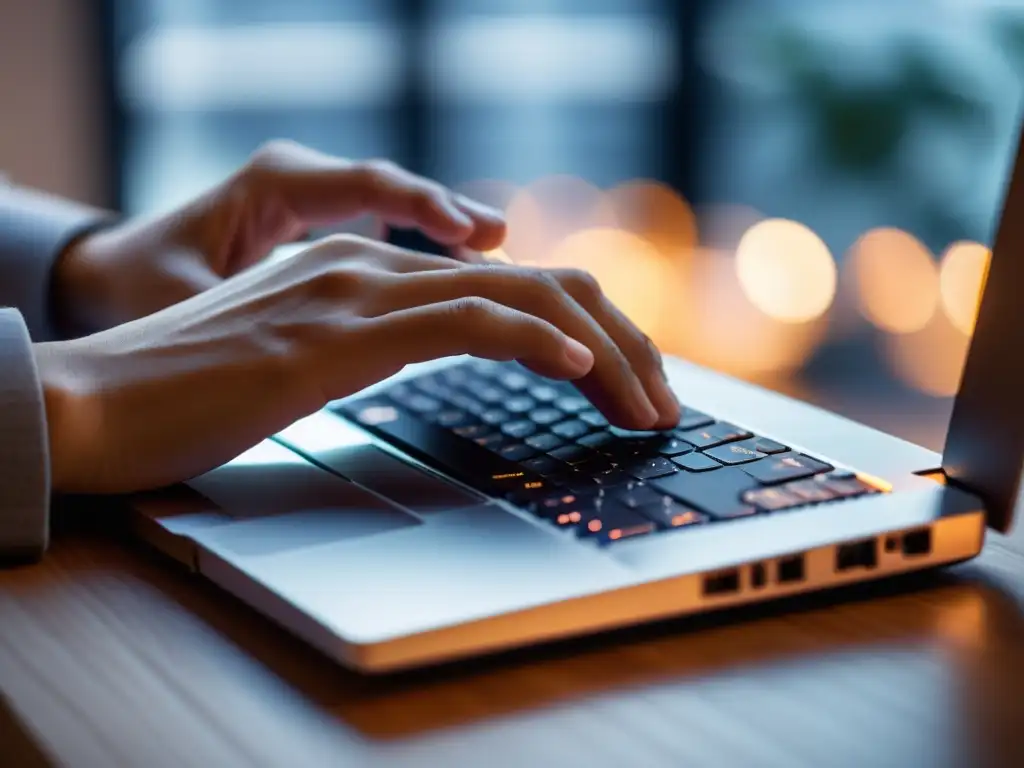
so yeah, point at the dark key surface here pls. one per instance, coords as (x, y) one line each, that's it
(716, 493)
(571, 430)
(520, 404)
(691, 418)
(571, 454)
(572, 404)
(635, 495)
(472, 431)
(544, 441)
(597, 440)
(545, 416)
(519, 428)
(543, 393)
(644, 470)
(734, 453)
(716, 434)
(592, 418)
(452, 417)
(696, 462)
(671, 514)
(764, 445)
(673, 446)
(543, 465)
(489, 394)
(494, 416)
(614, 521)
(513, 381)
(517, 452)
(785, 466)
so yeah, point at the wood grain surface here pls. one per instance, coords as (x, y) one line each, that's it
(113, 656)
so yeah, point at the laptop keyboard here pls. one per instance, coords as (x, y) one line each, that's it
(540, 445)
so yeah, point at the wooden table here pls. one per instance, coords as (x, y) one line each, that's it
(110, 656)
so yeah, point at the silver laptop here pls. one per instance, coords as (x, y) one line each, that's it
(467, 506)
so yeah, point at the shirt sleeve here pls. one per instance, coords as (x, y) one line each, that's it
(34, 230)
(24, 453)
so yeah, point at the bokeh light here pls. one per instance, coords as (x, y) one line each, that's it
(723, 226)
(549, 210)
(631, 272)
(896, 280)
(715, 324)
(786, 270)
(931, 359)
(961, 281)
(656, 213)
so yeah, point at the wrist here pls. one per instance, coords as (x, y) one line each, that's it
(77, 289)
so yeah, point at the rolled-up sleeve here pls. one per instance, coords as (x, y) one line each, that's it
(24, 453)
(34, 230)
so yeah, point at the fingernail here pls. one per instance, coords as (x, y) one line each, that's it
(456, 215)
(643, 409)
(579, 356)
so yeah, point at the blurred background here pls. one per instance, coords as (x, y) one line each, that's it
(796, 192)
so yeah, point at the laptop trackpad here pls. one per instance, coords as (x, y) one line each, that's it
(281, 502)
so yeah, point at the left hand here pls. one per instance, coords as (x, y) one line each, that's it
(140, 267)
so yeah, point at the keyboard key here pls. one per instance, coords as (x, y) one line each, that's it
(772, 499)
(521, 487)
(472, 431)
(467, 403)
(810, 491)
(614, 521)
(564, 510)
(764, 445)
(456, 376)
(657, 467)
(519, 404)
(715, 493)
(543, 393)
(572, 454)
(673, 446)
(611, 478)
(572, 404)
(598, 440)
(696, 462)
(421, 403)
(544, 441)
(494, 416)
(433, 386)
(843, 487)
(517, 452)
(669, 513)
(543, 465)
(513, 381)
(452, 417)
(596, 464)
(734, 453)
(593, 418)
(632, 434)
(571, 430)
(716, 434)
(691, 418)
(519, 429)
(484, 367)
(635, 495)
(493, 441)
(489, 394)
(545, 416)
(785, 466)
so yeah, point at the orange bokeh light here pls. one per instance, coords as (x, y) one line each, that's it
(786, 270)
(631, 271)
(896, 280)
(549, 210)
(656, 213)
(931, 359)
(961, 281)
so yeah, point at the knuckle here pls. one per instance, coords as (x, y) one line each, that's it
(270, 153)
(340, 283)
(473, 309)
(376, 168)
(581, 283)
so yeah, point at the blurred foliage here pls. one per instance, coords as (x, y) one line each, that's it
(858, 128)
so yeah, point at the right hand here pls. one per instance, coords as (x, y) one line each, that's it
(169, 396)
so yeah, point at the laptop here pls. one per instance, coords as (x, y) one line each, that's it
(465, 506)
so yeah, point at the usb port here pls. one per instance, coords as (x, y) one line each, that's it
(722, 583)
(857, 554)
(917, 543)
(791, 569)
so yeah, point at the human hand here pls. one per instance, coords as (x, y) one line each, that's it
(168, 396)
(284, 190)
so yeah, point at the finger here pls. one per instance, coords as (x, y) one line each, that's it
(476, 327)
(611, 384)
(643, 356)
(317, 189)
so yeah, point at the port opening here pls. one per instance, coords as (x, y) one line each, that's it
(917, 543)
(758, 575)
(857, 554)
(722, 583)
(791, 569)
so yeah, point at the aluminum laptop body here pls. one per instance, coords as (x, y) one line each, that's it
(348, 530)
